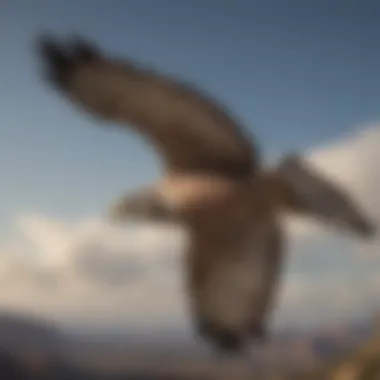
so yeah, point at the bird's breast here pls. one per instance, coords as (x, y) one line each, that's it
(188, 193)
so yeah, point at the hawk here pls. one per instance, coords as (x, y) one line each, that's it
(213, 184)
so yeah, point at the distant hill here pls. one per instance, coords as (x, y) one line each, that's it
(35, 346)
(23, 332)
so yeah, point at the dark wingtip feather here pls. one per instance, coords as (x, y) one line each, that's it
(61, 58)
(46, 44)
(82, 50)
(51, 51)
(365, 228)
(55, 57)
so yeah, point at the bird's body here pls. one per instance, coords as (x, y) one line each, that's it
(213, 184)
(234, 253)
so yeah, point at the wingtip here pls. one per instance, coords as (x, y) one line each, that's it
(82, 49)
(62, 57)
(49, 48)
(55, 58)
(366, 229)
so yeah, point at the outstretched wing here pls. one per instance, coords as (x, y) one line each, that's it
(308, 192)
(190, 131)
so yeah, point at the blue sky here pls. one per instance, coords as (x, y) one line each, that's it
(297, 73)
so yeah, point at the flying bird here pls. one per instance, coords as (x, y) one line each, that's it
(214, 184)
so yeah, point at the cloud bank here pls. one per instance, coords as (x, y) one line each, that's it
(85, 270)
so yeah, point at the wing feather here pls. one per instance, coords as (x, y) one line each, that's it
(189, 130)
(308, 192)
(233, 280)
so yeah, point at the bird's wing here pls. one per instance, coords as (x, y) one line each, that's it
(233, 279)
(310, 193)
(190, 131)
(144, 204)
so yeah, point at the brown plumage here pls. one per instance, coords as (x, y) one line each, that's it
(213, 185)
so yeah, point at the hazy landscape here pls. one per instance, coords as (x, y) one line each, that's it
(34, 348)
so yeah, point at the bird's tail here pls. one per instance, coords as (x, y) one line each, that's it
(299, 188)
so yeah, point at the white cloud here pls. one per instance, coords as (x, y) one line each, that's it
(88, 269)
